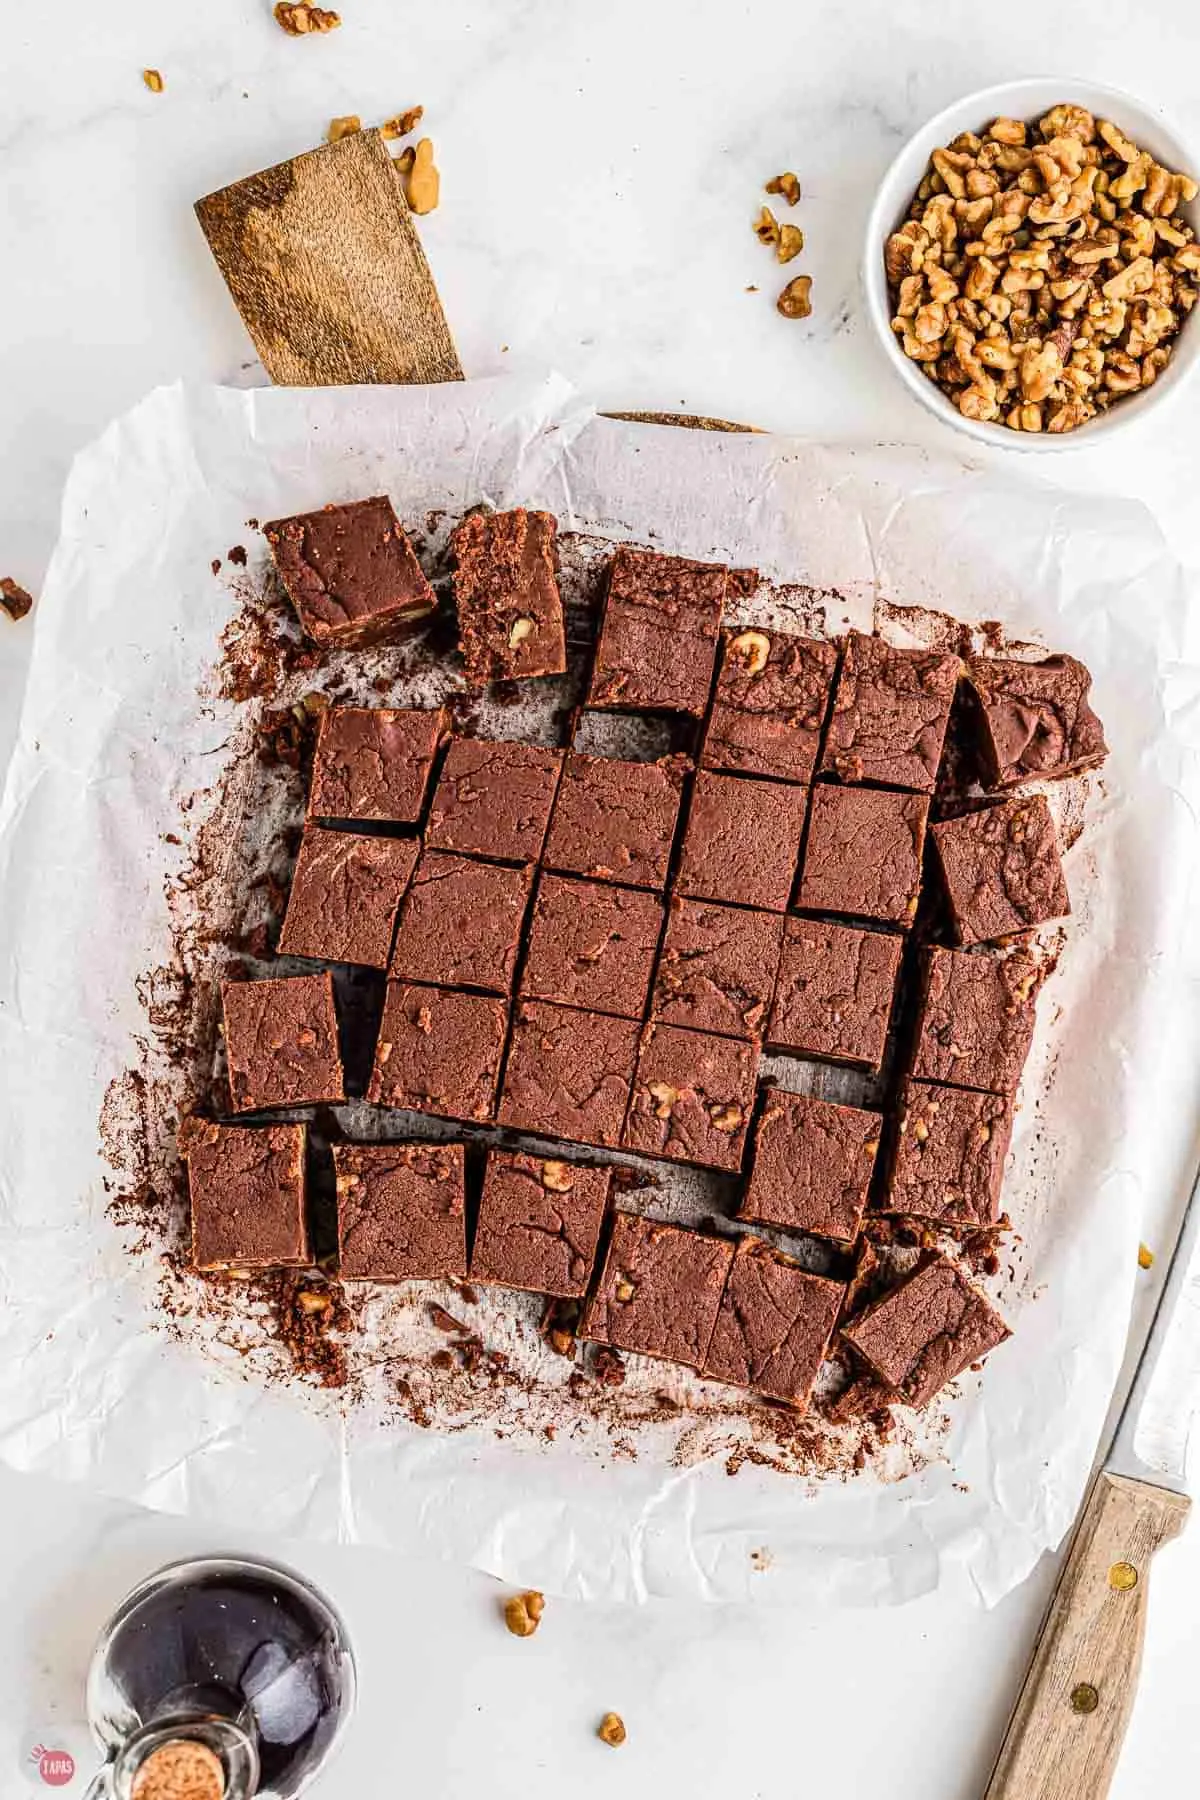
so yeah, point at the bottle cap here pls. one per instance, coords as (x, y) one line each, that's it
(180, 1770)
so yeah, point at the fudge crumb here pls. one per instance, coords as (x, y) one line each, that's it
(153, 80)
(611, 1730)
(305, 1311)
(402, 124)
(15, 599)
(237, 555)
(303, 18)
(787, 185)
(523, 1613)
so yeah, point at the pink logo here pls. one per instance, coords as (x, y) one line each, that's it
(56, 1767)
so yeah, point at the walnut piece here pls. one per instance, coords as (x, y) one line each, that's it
(403, 123)
(15, 599)
(766, 227)
(795, 301)
(343, 127)
(751, 649)
(153, 80)
(611, 1730)
(558, 1177)
(302, 19)
(523, 1613)
(424, 182)
(786, 185)
(791, 243)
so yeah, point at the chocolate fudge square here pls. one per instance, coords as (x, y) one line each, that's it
(510, 616)
(373, 763)
(615, 820)
(351, 573)
(539, 1224)
(774, 1325)
(948, 1161)
(659, 1291)
(247, 1192)
(1034, 720)
(568, 1073)
(890, 712)
(812, 1166)
(976, 1017)
(346, 892)
(863, 855)
(438, 1052)
(770, 705)
(493, 799)
(401, 1211)
(658, 641)
(833, 998)
(461, 923)
(1002, 870)
(693, 1094)
(281, 1040)
(925, 1331)
(742, 841)
(592, 946)
(717, 969)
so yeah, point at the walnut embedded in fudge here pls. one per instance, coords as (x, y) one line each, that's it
(615, 820)
(1033, 719)
(438, 1052)
(247, 1193)
(863, 855)
(692, 1097)
(510, 616)
(351, 573)
(976, 1017)
(890, 712)
(948, 1161)
(373, 763)
(770, 705)
(493, 799)
(568, 1073)
(833, 998)
(925, 1331)
(812, 1166)
(742, 841)
(345, 895)
(401, 1211)
(773, 1326)
(717, 969)
(592, 945)
(539, 1224)
(659, 1291)
(1001, 870)
(658, 640)
(461, 923)
(281, 1040)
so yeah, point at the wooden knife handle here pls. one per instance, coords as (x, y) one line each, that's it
(1065, 1736)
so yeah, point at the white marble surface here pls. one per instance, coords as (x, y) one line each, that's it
(600, 168)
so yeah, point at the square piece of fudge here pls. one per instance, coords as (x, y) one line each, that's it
(373, 763)
(568, 1073)
(510, 616)
(351, 573)
(438, 1052)
(592, 946)
(281, 1040)
(346, 892)
(658, 641)
(833, 998)
(1002, 870)
(401, 1211)
(773, 1326)
(493, 799)
(659, 1291)
(812, 1166)
(863, 855)
(976, 1017)
(1033, 720)
(717, 969)
(890, 712)
(925, 1331)
(539, 1224)
(693, 1094)
(461, 923)
(771, 700)
(615, 820)
(247, 1193)
(948, 1160)
(742, 841)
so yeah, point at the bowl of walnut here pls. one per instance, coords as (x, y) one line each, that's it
(1032, 262)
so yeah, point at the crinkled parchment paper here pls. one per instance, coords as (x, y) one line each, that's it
(122, 728)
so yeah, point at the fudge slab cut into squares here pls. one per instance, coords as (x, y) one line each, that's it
(461, 923)
(401, 1211)
(372, 763)
(774, 1325)
(658, 641)
(890, 712)
(693, 1094)
(948, 1164)
(1002, 870)
(1034, 720)
(616, 820)
(281, 1040)
(833, 999)
(493, 799)
(568, 1074)
(659, 1291)
(592, 946)
(539, 1224)
(742, 841)
(863, 856)
(717, 969)
(351, 573)
(510, 616)
(770, 705)
(976, 1018)
(247, 1193)
(346, 892)
(438, 1052)
(812, 1166)
(925, 1331)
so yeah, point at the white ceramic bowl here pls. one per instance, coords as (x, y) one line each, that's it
(1022, 100)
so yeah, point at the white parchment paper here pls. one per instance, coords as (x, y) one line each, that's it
(112, 735)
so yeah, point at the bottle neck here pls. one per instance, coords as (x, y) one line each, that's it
(185, 1759)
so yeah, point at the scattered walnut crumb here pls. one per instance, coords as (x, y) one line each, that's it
(611, 1730)
(302, 18)
(791, 243)
(153, 80)
(424, 182)
(787, 185)
(523, 1613)
(766, 227)
(403, 123)
(343, 127)
(1145, 1257)
(795, 302)
(15, 600)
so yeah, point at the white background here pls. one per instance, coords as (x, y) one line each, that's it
(601, 165)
